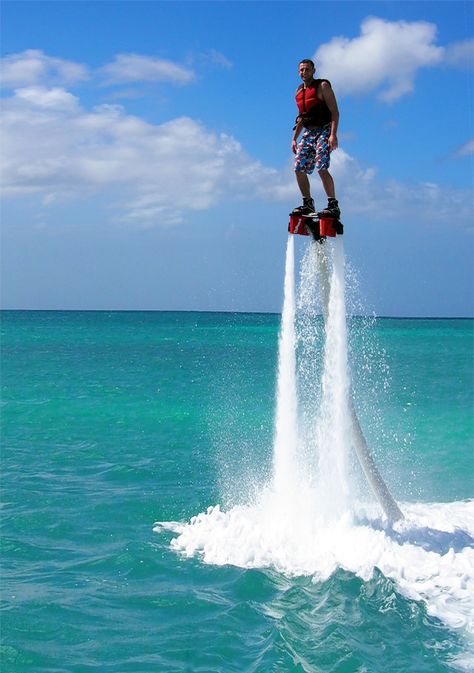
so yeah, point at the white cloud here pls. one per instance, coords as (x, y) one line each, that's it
(363, 193)
(466, 149)
(155, 174)
(215, 58)
(128, 68)
(54, 148)
(385, 57)
(460, 54)
(32, 67)
(53, 99)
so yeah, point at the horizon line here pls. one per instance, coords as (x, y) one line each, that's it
(152, 310)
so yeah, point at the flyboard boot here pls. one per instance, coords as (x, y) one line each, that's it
(306, 209)
(304, 220)
(332, 210)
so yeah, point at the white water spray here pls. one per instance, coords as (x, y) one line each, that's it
(318, 465)
(349, 430)
(286, 433)
(333, 436)
(337, 427)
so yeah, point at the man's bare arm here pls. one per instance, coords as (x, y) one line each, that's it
(297, 131)
(327, 94)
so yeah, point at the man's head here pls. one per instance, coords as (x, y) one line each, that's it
(306, 70)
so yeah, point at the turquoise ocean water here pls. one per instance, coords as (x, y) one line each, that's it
(114, 421)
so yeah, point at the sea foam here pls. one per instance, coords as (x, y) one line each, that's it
(429, 555)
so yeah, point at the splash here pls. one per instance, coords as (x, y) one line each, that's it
(429, 555)
(308, 520)
(286, 432)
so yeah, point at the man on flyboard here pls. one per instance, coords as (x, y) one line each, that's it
(319, 117)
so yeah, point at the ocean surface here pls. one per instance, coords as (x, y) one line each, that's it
(140, 532)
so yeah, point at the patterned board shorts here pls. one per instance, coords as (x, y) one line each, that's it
(313, 150)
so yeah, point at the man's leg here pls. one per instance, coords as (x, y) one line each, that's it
(305, 188)
(322, 165)
(328, 183)
(304, 165)
(303, 183)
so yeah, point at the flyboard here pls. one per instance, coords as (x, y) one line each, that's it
(320, 227)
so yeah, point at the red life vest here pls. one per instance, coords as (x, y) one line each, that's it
(312, 110)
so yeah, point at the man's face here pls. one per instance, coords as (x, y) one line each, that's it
(306, 72)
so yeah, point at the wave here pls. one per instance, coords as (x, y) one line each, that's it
(429, 555)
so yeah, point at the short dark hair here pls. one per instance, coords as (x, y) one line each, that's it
(308, 61)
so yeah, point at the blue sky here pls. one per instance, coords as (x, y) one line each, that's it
(146, 159)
